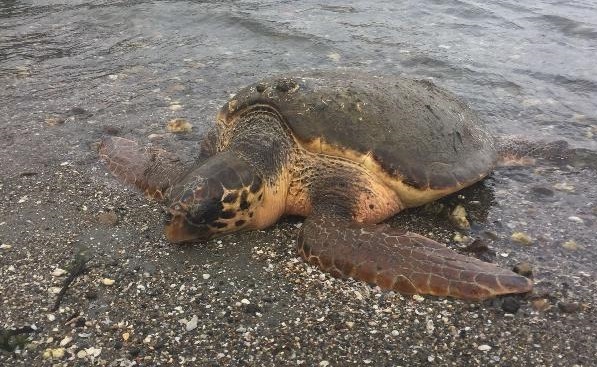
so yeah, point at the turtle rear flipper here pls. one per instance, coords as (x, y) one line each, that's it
(517, 151)
(151, 170)
(402, 261)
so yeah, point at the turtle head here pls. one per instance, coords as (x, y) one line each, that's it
(216, 199)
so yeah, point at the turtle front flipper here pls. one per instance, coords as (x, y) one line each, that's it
(151, 170)
(401, 261)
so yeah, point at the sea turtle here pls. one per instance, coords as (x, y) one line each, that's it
(346, 150)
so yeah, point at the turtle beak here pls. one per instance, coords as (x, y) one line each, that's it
(177, 230)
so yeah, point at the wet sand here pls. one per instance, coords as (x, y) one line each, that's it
(248, 299)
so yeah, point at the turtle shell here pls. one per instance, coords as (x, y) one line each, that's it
(416, 132)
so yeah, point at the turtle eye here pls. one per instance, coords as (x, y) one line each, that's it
(168, 217)
(176, 210)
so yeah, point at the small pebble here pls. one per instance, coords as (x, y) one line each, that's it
(206, 276)
(540, 304)
(58, 272)
(95, 352)
(479, 248)
(53, 353)
(244, 301)
(232, 104)
(570, 245)
(576, 219)
(252, 309)
(192, 324)
(179, 125)
(108, 281)
(429, 326)
(334, 56)
(510, 304)
(458, 217)
(563, 186)
(324, 364)
(492, 235)
(107, 218)
(54, 121)
(525, 269)
(22, 71)
(65, 341)
(418, 298)
(458, 237)
(522, 238)
(568, 307)
(484, 347)
(154, 136)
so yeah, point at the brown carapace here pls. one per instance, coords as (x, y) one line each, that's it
(346, 151)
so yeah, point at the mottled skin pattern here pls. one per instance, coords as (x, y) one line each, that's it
(152, 170)
(346, 151)
(401, 261)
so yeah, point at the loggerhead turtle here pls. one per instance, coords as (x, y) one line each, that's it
(346, 151)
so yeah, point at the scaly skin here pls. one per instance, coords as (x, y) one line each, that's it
(401, 261)
(262, 169)
(335, 236)
(154, 171)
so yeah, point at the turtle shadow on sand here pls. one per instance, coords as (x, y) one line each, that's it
(347, 151)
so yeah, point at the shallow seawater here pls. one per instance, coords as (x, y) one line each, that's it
(525, 66)
(72, 71)
(528, 68)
